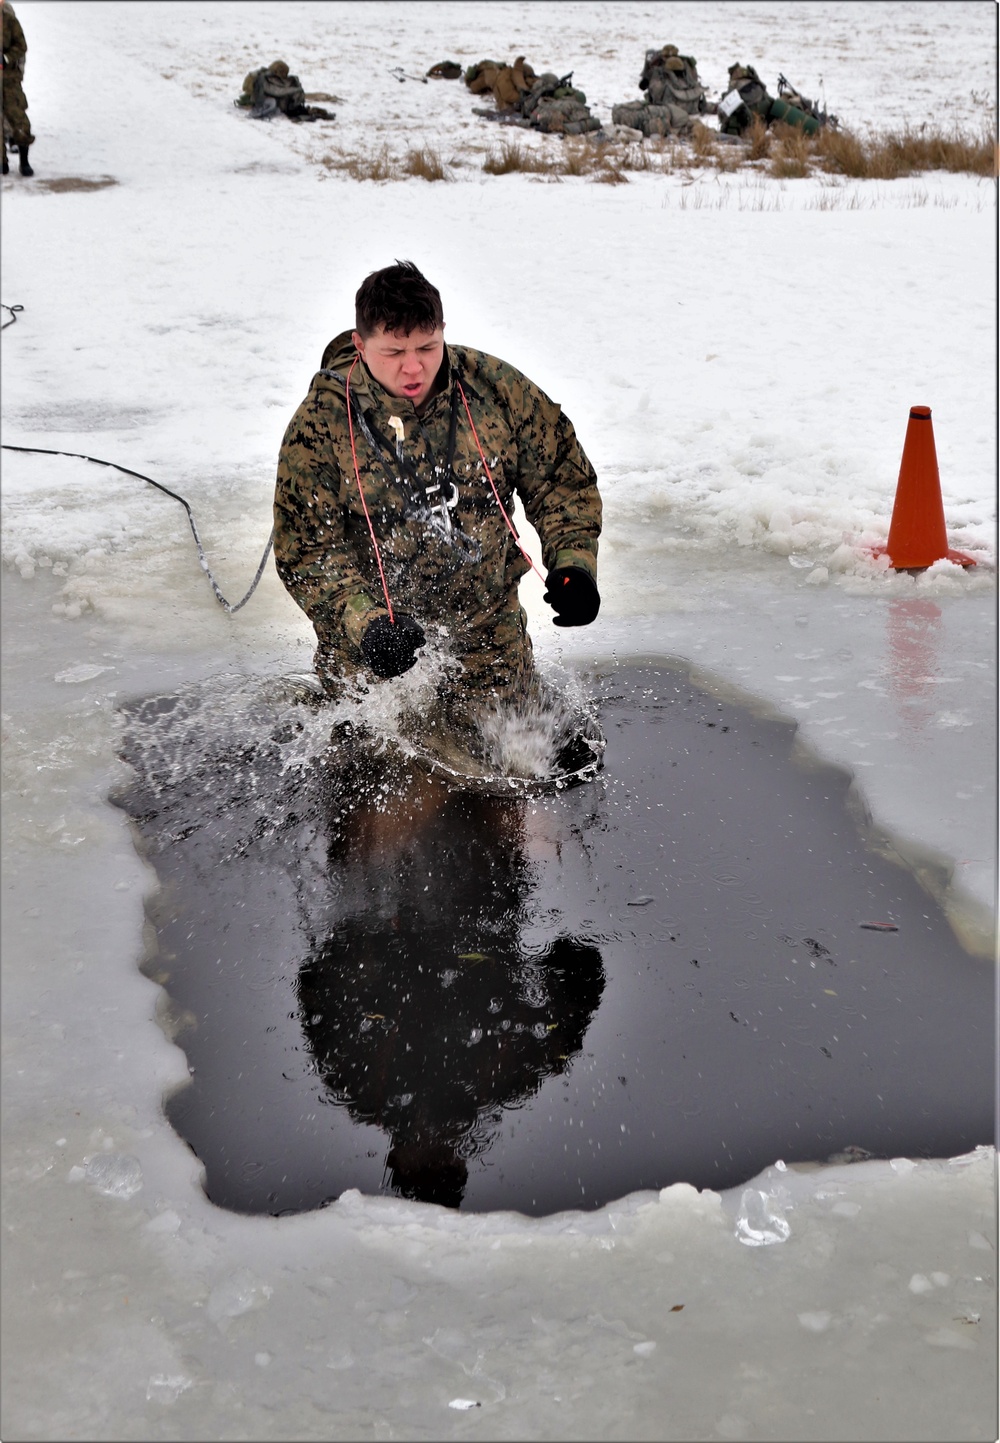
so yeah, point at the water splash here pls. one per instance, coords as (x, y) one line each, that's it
(254, 746)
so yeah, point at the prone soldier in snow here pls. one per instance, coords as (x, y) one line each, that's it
(395, 486)
(546, 102)
(747, 96)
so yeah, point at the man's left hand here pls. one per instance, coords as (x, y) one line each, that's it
(572, 593)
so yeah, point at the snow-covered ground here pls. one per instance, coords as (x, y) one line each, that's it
(739, 355)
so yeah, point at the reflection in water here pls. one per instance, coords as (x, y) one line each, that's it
(424, 1013)
(914, 642)
(388, 981)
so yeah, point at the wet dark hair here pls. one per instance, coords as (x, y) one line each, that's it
(398, 298)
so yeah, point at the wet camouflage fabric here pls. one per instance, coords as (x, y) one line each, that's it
(463, 591)
(16, 126)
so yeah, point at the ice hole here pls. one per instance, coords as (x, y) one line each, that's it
(392, 975)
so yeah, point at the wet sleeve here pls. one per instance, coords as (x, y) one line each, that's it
(555, 480)
(311, 553)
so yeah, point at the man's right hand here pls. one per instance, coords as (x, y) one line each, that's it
(390, 647)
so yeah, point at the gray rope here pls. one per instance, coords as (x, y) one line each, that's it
(13, 314)
(43, 451)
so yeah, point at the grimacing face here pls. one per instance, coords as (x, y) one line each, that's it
(405, 365)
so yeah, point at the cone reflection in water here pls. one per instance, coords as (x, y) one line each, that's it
(917, 534)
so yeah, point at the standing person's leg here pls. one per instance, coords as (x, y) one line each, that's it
(495, 679)
(16, 124)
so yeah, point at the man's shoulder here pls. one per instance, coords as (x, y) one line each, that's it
(486, 369)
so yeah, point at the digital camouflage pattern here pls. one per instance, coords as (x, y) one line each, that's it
(455, 567)
(16, 126)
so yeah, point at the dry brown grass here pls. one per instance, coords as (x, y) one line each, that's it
(512, 156)
(781, 151)
(637, 157)
(729, 158)
(758, 139)
(609, 174)
(379, 166)
(843, 153)
(792, 153)
(704, 144)
(895, 154)
(579, 158)
(425, 163)
(71, 182)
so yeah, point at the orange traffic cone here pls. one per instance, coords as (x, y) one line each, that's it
(917, 535)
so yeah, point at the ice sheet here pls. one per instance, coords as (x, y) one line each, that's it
(739, 355)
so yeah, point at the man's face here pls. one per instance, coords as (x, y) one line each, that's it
(404, 365)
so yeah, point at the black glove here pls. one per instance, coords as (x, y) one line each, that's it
(573, 596)
(390, 647)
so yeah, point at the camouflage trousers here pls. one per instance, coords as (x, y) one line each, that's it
(15, 111)
(495, 667)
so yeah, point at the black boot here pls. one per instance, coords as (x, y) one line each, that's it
(24, 167)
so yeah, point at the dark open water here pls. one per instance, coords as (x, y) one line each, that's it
(385, 981)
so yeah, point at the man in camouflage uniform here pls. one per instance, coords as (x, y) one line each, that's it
(15, 106)
(746, 87)
(388, 529)
(272, 89)
(534, 102)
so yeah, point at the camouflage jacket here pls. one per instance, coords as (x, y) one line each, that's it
(447, 552)
(15, 47)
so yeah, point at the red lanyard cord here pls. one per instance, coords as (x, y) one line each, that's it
(361, 493)
(489, 477)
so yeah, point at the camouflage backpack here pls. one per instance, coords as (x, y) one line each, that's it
(672, 79)
(745, 97)
(652, 119)
(512, 83)
(556, 107)
(788, 95)
(480, 77)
